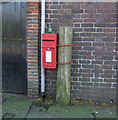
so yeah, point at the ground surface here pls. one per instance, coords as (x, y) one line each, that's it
(24, 107)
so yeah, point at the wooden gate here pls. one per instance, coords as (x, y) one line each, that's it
(14, 47)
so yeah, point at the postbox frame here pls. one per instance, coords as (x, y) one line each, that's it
(49, 43)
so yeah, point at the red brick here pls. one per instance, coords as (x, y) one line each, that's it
(98, 44)
(90, 20)
(111, 35)
(87, 75)
(89, 29)
(108, 30)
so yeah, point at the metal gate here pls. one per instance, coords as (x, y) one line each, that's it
(14, 47)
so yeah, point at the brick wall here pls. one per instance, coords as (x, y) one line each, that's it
(94, 58)
(32, 47)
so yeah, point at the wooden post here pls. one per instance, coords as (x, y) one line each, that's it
(64, 70)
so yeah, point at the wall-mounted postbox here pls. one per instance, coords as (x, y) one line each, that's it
(49, 50)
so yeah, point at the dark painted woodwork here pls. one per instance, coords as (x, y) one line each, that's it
(14, 47)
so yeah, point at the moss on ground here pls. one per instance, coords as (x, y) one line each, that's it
(39, 108)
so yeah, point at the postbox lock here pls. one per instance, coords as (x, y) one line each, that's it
(48, 48)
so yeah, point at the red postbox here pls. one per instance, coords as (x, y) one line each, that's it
(49, 50)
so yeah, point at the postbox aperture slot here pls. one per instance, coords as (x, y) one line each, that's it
(49, 40)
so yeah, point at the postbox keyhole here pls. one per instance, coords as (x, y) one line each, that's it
(48, 48)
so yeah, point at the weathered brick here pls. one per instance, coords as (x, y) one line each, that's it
(86, 25)
(67, 15)
(99, 39)
(90, 11)
(75, 83)
(54, 2)
(88, 48)
(85, 70)
(96, 84)
(111, 15)
(76, 48)
(75, 79)
(106, 75)
(73, 66)
(96, 75)
(115, 85)
(48, 20)
(110, 62)
(107, 39)
(55, 7)
(111, 35)
(88, 39)
(87, 15)
(100, 25)
(85, 53)
(99, 30)
(103, 53)
(87, 66)
(98, 44)
(109, 80)
(76, 74)
(106, 66)
(85, 34)
(98, 34)
(109, 30)
(105, 57)
(55, 11)
(75, 70)
(109, 20)
(54, 16)
(99, 20)
(65, 11)
(87, 57)
(89, 29)
(85, 61)
(76, 34)
(77, 20)
(111, 25)
(109, 71)
(97, 62)
(77, 30)
(110, 44)
(86, 84)
(66, 6)
(77, 11)
(84, 88)
(105, 84)
(97, 71)
(87, 75)
(96, 80)
(85, 43)
(77, 25)
(77, 15)
(84, 79)
(89, 20)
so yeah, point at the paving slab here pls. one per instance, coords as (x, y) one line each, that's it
(16, 106)
(75, 111)
(24, 107)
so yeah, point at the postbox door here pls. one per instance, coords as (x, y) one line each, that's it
(49, 58)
